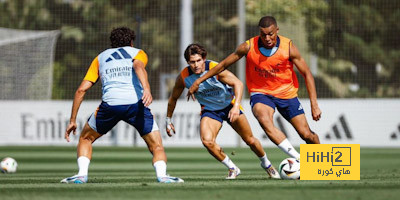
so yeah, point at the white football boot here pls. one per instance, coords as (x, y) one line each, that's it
(75, 179)
(169, 179)
(271, 171)
(233, 173)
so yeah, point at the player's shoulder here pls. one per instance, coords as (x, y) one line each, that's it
(284, 39)
(251, 40)
(132, 51)
(185, 72)
(210, 64)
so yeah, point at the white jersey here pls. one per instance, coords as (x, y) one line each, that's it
(114, 67)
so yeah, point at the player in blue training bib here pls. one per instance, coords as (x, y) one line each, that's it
(220, 98)
(126, 96)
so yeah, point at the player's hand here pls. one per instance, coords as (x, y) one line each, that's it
(234, 113)
(316, 112)
(169, 127)
(193, 89)
(147, 98)
(71, 127)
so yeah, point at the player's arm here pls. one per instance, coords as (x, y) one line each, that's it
(309, 79)
(241, 51)
(141, 73)
(90, 79)
(78, 98)
(176, 93)
(230, 79)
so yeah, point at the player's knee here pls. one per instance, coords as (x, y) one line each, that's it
(250, 141)
(266, 122)
(156, 147)
(208, 143)
(159, 147)
(307, 135)
(268, 127)
(87, 138)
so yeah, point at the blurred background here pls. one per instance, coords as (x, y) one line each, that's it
(352, 47)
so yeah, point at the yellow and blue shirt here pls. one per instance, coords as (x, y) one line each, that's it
(114, 67)
(212, 93)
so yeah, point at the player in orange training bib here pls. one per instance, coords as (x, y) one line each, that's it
(272, 83)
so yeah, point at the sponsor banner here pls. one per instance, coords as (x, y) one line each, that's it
(330, 161)
(369, 122)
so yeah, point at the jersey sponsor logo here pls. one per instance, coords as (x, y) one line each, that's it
(266, 73)
(210, 92)
(116, 72)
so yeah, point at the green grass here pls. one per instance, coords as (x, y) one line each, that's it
(127, 173)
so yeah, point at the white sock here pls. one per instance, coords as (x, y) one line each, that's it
(83, 165)
(228, 163)
(286, 147)
(161, 168)
(265, 163)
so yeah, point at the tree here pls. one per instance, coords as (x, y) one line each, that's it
(363, 32)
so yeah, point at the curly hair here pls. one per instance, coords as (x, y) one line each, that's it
(193, 49)
(121, 37)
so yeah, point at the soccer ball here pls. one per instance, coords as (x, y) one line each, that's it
(289, 169)
(8, 165)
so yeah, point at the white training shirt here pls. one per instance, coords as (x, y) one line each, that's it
(120, 85)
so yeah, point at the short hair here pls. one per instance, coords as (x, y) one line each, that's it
(193, 49)
(121, 37)
(267, 21)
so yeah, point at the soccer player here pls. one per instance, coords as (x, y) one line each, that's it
(218, 103)
(126, 96)
(272, 83)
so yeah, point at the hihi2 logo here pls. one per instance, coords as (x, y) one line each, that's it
(330, 161)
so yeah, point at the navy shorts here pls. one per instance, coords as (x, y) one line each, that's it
(288, 108)
(137, 115)
(219, 115)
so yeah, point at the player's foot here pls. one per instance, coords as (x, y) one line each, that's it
(272, 172)
(169, 179)
(75, 179)
(233, 173)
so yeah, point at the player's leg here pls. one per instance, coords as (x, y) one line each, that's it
(86, 139)
(142, 119)
(264, 113)
(209, 129)
(242, 127)
(154, 144)
(293, 112)
(84, 150)
(99, 123)
(84, 154)
(208, 133)
(299, 122)
(156, 148)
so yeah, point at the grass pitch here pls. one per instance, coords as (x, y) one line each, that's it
(127, 173)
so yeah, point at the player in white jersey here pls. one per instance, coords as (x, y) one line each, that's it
(126, 96)
(218, 103)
